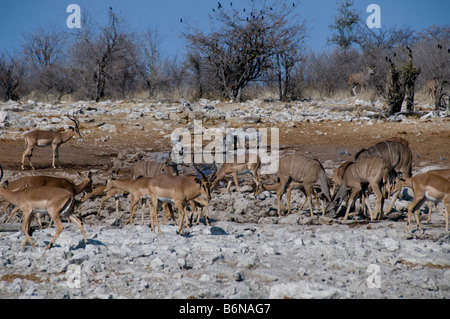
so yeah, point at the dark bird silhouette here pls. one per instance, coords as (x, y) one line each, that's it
(219, 5)
(181, 19)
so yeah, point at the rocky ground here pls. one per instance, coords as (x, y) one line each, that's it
(248, 252)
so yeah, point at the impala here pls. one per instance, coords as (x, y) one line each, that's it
(180, 190)
(301, 170)
(137, 189)
(61, 182)
(242, 165)
(51, 200)
(46, 138)
(445, 173)
(432, 187)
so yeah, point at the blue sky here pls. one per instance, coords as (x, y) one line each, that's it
(23, 15)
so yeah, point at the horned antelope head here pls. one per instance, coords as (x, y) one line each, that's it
(75, 129)
(205, 182)
(259, 189)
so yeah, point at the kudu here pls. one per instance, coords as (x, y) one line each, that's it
(46, 138)
(398, 156)
(360, 79)
(153, 168)
(368, 171)
(242, 165)
(302, 170)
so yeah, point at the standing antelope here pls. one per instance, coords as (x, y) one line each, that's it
(46, 138)
(429, 186)
(445, 173)
(275, 186)
(242, 165)
(180, 190)
(398, 156)
(137, 189)
(54, 201)
(360, 78)
(302, 170)
(431, 87)
(368, 171)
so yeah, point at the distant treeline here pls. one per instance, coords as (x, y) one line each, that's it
(260, 51)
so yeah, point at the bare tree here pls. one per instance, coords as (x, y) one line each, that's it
(11, 76)
(241, 50)
(100, 55)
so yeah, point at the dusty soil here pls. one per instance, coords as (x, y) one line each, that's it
(429, 141)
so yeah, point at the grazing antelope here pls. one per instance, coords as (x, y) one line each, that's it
(360, 78)
(180, 190)
(338, 176)
(432, 187)
(302, 170)
(368, 171)
(242, 165)
(46, 138)
(54, 201)
(398, 156)
(61, 182)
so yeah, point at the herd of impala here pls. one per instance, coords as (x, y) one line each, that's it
(384, 169)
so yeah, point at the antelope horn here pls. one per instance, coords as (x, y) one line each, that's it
(199, 170)
(214, 171)
(73, 119)
(1, 172)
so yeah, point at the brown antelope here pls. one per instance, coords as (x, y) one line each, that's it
(137, 189)
(61, 182)
(368, 171)
(301, 170)
(445, 173)
(100, 191)
(360, 78)
(153, 168)
(46, 138)
(292, 185)
(54, 201)
(432, 187)
(338, 176)
(180, 190)
(431, 87)
(398, 156)
(242, 165)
